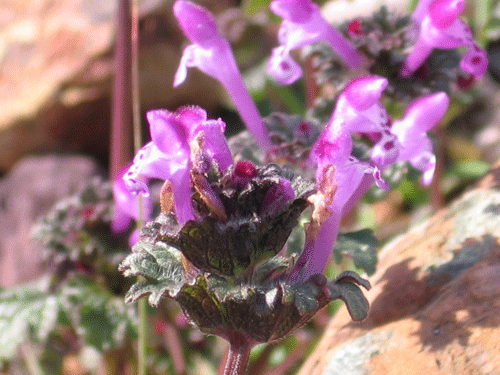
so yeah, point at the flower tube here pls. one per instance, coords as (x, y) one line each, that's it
(212, 54)
(303, 24)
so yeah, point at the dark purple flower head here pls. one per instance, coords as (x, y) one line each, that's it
(441, 27)
(302, 25)
(168, 155)
(212, 54)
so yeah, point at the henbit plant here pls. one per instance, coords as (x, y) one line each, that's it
(218, 247)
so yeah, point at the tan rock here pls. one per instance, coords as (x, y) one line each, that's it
(56, 66)
(435, 304)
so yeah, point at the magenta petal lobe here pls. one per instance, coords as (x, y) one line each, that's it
(196, 22)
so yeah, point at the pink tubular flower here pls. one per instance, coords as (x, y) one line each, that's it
(338, 173)
(360, 108)
(127, 208)
(422, 115)
(441, 27)
(212, 54)
(359, 105)
(168, 155)
(303, 24)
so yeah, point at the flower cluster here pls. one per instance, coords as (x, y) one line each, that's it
(439, 26)
(219, 239)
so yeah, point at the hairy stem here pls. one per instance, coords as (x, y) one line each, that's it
(238, 357)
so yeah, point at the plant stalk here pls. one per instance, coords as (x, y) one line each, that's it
(238, 357)
(136, 122)
(121, 127)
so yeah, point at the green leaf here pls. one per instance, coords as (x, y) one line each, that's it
(33, 313)
(160, 264)
(101, 318)
(361, 246)
(27, 312)
(305, 297)
(470, 169)
(271, 266)
(345, 288)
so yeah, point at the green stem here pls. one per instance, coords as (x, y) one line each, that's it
(141, 355)
(238, 357)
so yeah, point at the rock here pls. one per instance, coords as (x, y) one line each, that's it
(435, 301)
(56, 66)
(33, 186)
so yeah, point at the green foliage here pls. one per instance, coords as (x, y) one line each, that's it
(266, 308)
(79, 303)
(346, 288)
(470, 169)
(252, 7)
(37, 311)
(360, 246)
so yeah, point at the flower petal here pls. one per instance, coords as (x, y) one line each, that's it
(282, 67)
(127, 205)
(150, 162)
(364, 92)
(359, 105)
(333, 145)
(181, 185)
(297, 11)
(303, 24)
(167, 133)
(445, 12)
(197, 23)
(421, 116)
(475, 62)
(212, 54)
(215, 144)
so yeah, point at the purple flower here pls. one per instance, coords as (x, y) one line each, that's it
(441, 27)
(338, 173)
(359, 105)
(416, 147)
(303, 24)
(169, 155)
(360, 108)
(212, 54)
(127, 208)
